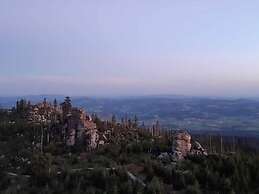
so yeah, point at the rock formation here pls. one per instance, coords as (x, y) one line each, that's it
(183, 146)
(197, 149)
(80, 128)
(75, 125)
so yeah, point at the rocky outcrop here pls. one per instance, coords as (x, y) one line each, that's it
(197, 149)
(183, 146)
(81, 129)
(92, 138)
(43, 112)
(71, 137)
(165, 157)
(75, 125)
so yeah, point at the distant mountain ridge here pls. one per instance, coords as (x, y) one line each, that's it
(172, 111)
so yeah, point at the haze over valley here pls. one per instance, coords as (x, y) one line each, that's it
(129, 97)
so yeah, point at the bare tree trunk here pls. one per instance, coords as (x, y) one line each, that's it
(41, 140)
(221, 145)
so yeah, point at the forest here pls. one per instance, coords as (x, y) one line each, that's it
(126, 165)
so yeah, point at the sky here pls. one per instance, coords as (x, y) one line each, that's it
(129, 47)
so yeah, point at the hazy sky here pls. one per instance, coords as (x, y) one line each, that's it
(129, 47)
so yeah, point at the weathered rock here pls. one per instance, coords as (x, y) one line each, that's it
(77, 126)
(92, 138)
(71, 137)
(85, 128)
(197, 149)
(181, 144)
(177, 155)
(164, 157)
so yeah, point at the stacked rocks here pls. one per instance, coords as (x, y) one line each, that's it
(197, 149)
(181, 144)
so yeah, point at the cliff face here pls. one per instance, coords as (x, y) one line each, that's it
(81, 129)
(197, 149)
(183, 146)
(77, 126)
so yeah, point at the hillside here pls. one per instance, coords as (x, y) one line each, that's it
(172, 111)
(50, 148)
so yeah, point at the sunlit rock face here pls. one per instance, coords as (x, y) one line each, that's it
(85, 129)
(43, 113)
(76, 125)
(92, 138)
(71, 137)
(197, 149)
(181, 144)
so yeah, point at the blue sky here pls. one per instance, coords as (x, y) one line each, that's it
(129, 47)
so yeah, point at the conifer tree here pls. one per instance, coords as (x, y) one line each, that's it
(114, 120)
(135, 121)
(55, 103)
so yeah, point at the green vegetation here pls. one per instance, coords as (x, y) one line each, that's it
(57, 169)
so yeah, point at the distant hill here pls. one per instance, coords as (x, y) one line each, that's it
(10, 101)
(172, 111)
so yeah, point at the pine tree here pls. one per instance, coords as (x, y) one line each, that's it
(135, 125)
(114, 120)
(55, 103)
(157, 128)
(129, 123)
(66, 107)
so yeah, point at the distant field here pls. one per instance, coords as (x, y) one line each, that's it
(190, 113)
(172, 111)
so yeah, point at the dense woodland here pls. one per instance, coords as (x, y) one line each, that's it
(124, 166)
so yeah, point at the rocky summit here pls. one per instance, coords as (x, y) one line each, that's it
(62, 123)
(183, 145)
(75, 128)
